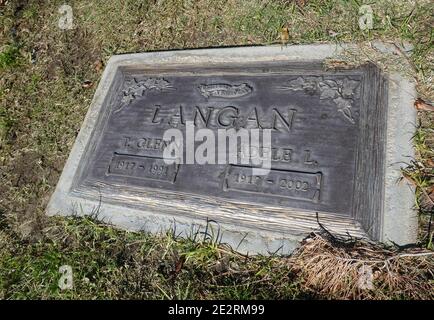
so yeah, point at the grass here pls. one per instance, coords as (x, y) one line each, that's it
(108, 263)
(43, 101)
(9, 57)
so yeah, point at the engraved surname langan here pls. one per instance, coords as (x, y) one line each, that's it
(142, 167)
(225, 117)
(280, 183)
(225, 90)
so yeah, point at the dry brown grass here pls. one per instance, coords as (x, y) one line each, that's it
(364, 271)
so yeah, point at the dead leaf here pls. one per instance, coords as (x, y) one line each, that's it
(179, 264)
(333, 33)
(301, 3)
(87, 84)
(421, 105)
(427, 199)
(250, 39)
(284, 35)
(409, 179)
(98, 65)
(430, 163)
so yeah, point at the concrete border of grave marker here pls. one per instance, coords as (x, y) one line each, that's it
(396, 220)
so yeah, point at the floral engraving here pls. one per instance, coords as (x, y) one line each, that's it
(341, 91)
(138, 88)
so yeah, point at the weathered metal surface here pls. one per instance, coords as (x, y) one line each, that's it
(314, 117)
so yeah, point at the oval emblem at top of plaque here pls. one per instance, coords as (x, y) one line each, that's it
(225, 90)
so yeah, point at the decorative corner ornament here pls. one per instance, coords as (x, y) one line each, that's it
(341, 92)
(138, 88)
